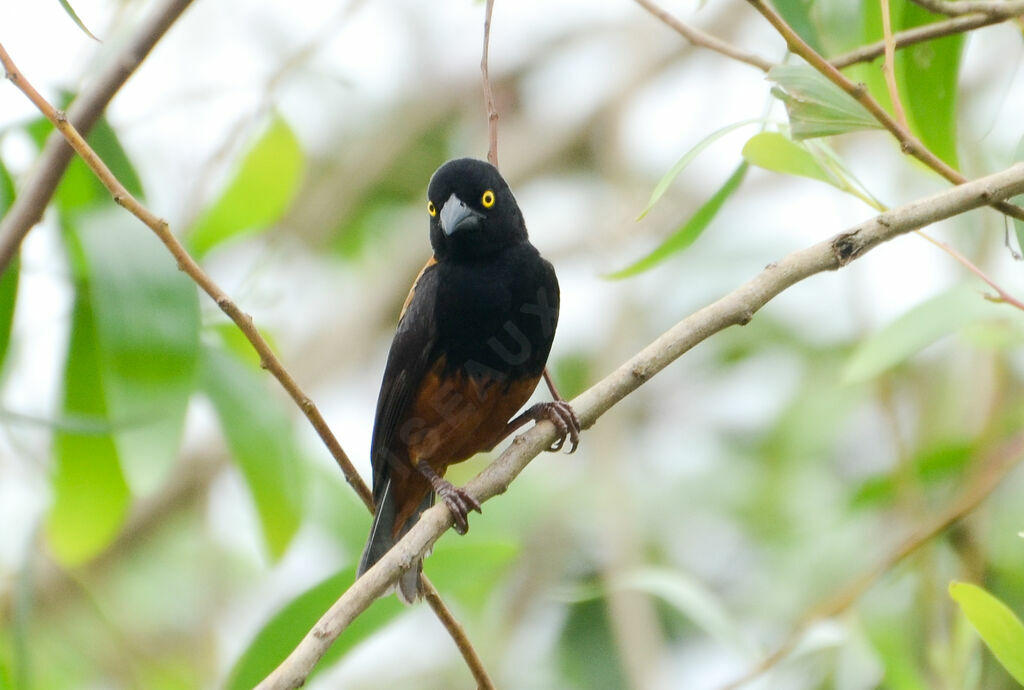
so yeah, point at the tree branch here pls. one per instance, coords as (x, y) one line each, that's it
(36, 193)
(492, 111)
(908, 142)
(705, 40)
(738, 307)
(961, 7)
(919, 34)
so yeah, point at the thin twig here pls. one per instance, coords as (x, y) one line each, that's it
(889, 66)
(1006, 457)
(738, 307)
(492, 111)
(919, 34)
(37, 191)
(908, 142)
(961, 7)
(706, 40)
(1001, 294)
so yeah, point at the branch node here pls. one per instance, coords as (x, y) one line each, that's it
(223, 302)
(60, 116)
(265, 364)
(641, 372)
(119, 200)
(986, 194)
(846, 247)
(744, 317)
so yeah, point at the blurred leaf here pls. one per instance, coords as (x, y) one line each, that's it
(260, 435)
(573, 373)
(146, 314)
(259, 193)
(283, 632)
(9, 277)
(797, 14)
(694, 601)
(931, 465)
(469, 571)
(671, 175)
(90, 495)
(588, 652)
(926, 74)
(817, 107)
(998, 626)
(690, 231)
(911, 332)
(71, 13)
(773, 151)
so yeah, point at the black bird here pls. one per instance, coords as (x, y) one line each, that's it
(472, 342)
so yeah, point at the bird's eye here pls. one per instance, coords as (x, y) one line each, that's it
(431, 209)
(487, 199)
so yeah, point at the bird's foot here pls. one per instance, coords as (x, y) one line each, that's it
(561, 414)
(459, 502)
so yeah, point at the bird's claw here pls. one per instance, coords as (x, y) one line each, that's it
(459, 503)
(561, 414)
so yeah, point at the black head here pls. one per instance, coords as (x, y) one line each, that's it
(472, 211)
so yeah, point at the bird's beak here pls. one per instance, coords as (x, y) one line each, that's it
(455, 216)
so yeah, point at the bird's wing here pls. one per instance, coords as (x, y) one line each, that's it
(411, 356)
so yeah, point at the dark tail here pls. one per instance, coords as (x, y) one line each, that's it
(382, 538)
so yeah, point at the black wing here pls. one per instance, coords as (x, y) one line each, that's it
(410, 358)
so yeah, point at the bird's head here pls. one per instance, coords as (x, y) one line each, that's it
(472, 211)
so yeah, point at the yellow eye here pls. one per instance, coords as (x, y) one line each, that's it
(431, 209)
(487, 199)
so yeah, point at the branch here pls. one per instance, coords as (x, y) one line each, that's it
(736, 308)
(994, 471)
(908, 142)
(961, 7)
(927, 32)
(705, 40)
(33, 197)
(1001, 294)
(492, 111)
(268, 360)
(889, 66)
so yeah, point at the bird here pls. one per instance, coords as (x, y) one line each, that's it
(471, 345)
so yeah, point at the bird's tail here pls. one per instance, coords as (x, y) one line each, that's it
(383, 537)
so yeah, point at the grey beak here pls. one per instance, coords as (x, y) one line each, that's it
(455, 216)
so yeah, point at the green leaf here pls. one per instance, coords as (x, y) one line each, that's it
(919, 327)
(9, 277)
(926, 75)
(260, 435)
(690, 230)
(817, 107)
(71, 13)
(671, 175)
(90, 493)
(998, 626)
(589, 655)
(773, 151)
(147, 322)
(284, 631)
(259, 193)
(797, 14)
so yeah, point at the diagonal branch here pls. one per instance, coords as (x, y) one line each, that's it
(908, 142)
(961, 7)
(737, 307)
(927, 32)
(705, 40)
(32, 199)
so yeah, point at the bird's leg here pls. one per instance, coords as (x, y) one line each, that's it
(559, 413)
(458, 501)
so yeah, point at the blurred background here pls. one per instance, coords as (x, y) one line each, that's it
(168, 518)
